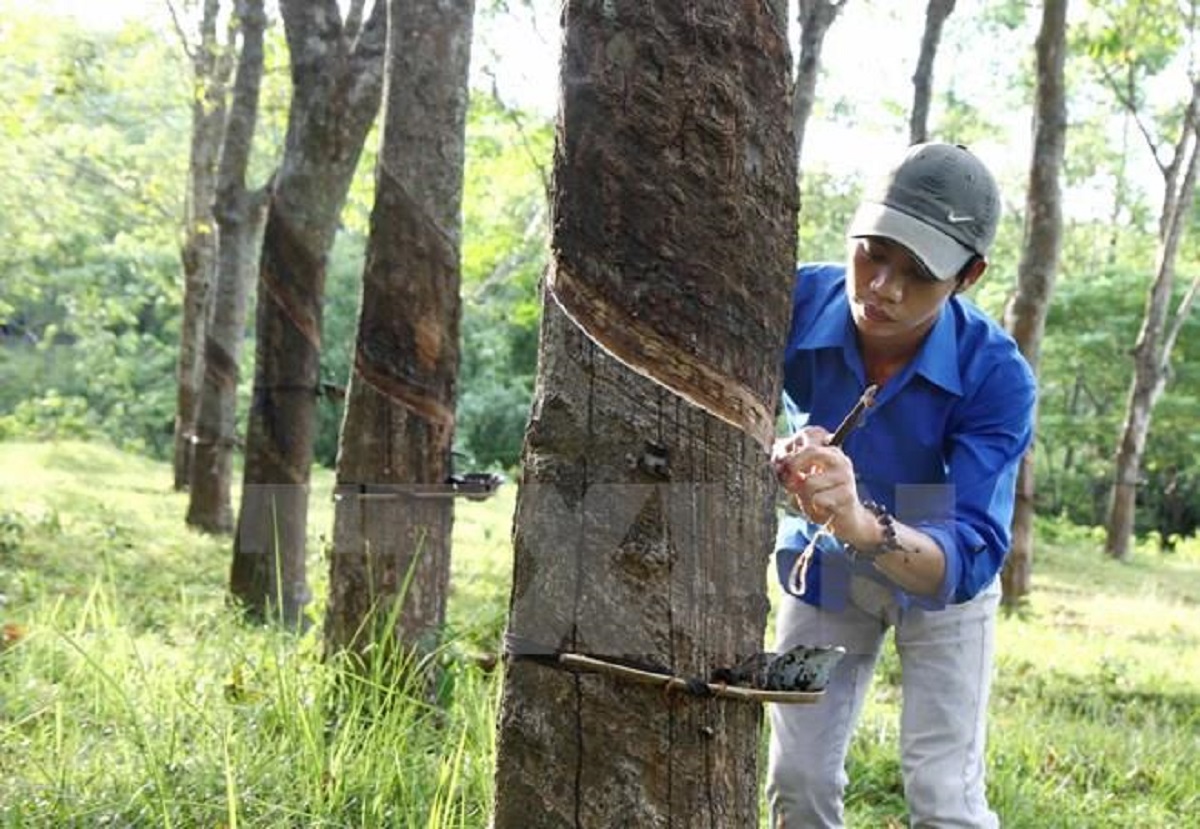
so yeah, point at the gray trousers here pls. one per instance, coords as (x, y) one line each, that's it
(946, 660)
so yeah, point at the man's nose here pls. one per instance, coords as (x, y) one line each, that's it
(886, 283)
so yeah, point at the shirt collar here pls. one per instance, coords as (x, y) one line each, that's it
(937, 360)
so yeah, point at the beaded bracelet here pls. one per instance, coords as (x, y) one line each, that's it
(887, 524)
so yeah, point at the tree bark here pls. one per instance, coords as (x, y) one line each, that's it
(645, 518)
(392, 516)
(336, 87)
(199, 251)
(239, 214)
(1152, 352)
(815, 17)
(935, 18)
(1038, 267)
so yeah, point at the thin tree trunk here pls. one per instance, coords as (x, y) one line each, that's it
(336, 87)
(1122, 508)
(935, 18)
(391, 529)
(239, 215)
(815, 17)
(644, 520)
(1152, 353)
(199, 252)
(1038, 268)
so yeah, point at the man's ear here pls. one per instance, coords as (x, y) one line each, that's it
(971, 274)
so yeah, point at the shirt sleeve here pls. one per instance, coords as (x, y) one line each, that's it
(988, 436)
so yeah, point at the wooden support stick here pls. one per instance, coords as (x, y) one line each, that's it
(590, 664)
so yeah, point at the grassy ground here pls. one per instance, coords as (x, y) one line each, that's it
(129, 695)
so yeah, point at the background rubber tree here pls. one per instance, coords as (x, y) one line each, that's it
(935, 19)
(392, 519)
(238, 213)
(337, 81)
(211, 64)
(644, 521)
(1132, 45)
(1025, 316)
(815, 18)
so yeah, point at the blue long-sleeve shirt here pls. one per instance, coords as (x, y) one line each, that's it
(940, 448)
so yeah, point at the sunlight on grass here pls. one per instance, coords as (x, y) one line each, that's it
(130, 694)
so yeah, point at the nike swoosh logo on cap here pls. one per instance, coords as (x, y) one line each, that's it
(958, 218)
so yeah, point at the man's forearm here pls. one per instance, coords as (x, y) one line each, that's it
(918, 566)
(913, 560)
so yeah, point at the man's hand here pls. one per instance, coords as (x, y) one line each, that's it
(786, 452)
(821, 478)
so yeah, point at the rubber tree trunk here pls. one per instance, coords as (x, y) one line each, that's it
(239, 215)
(935, 19)
(1038, 267)
(199, 251)
(1159, 331)
(815, 18)
(644, 518)
(337, 80)
(392, 516)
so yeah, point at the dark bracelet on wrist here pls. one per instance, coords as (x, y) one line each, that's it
(887, 525)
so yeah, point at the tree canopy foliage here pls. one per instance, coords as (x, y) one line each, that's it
(93, 128)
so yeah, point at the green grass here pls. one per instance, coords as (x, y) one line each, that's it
(134, 697)
(131, 696)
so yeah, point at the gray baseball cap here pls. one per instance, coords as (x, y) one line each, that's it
(940, 202)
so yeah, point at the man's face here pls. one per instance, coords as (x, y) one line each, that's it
(892, 296)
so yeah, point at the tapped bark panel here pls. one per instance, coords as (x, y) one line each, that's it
(675, 157)
(642, 533)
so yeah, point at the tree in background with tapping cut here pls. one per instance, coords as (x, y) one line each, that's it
(392, 519)
(238, 212)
